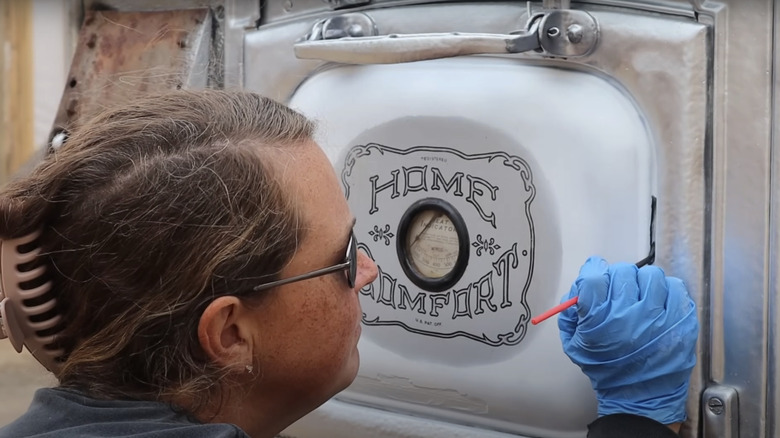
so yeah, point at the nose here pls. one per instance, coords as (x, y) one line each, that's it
(366, 270)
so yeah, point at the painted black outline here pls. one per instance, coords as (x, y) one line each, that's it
(382, 233)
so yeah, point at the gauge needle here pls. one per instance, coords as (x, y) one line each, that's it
(428, 225)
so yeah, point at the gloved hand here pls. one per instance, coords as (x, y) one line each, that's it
(633, 333)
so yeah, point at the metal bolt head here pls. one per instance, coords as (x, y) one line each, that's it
(715, 405)
(575, 33)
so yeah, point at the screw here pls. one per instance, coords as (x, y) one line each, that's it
(574, 33)
(553, 32)
(716, 405)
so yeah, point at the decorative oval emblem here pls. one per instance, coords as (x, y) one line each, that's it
(483, 197)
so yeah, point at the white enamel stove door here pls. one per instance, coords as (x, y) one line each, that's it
(539, 168)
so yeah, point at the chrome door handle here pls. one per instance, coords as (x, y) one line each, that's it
(565, 33)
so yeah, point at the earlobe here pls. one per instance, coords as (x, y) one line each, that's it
(222, 333)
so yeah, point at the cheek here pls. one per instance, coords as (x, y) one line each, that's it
(337, 338)
(339, 326)
(321, 336)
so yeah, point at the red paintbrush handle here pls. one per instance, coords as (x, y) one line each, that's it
(555, 310)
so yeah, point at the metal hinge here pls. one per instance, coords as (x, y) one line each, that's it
(720, 412)
(353, 38)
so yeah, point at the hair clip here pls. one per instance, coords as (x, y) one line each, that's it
(28, 311)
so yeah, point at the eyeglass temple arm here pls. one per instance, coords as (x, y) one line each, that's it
(308, 275)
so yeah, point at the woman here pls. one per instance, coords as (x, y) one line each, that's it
(199, 250)
(159, 222)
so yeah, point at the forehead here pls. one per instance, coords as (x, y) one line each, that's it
(312, 185)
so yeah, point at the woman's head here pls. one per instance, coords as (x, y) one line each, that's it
(153, 211)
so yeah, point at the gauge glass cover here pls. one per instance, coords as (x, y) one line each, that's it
(432, 243)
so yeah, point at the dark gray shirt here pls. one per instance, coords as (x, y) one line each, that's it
(68, 414)
(64, 413)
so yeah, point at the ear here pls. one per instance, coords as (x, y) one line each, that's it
(224, 333)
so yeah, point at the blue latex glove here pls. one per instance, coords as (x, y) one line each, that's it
(633, 333)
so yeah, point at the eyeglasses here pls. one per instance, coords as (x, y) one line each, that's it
(349, 265)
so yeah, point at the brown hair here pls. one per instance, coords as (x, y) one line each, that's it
(149, 212)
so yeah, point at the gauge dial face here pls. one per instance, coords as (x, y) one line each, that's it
(432, 243)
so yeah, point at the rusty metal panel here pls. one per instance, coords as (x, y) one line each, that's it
(124, 55)
(151, 5)
(232, 18)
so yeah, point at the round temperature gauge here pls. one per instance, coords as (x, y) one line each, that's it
(433, 244)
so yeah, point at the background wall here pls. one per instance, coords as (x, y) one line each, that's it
(16, 121)
(55, 31)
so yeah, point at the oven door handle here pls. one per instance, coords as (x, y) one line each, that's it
(398, 48)
(562, 33)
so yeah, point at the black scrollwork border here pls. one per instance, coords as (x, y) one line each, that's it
(526, 175)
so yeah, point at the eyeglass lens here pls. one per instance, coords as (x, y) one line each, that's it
(352, 257)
